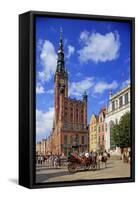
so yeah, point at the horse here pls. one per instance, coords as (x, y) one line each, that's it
(101, 158)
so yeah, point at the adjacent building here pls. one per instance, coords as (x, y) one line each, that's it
(41, 147)
(93, 145)
(119, 104)
(101, 129)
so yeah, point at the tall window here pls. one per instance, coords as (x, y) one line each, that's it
(71, 139)
(65, 139)
(99, 129)
(120, 101)
(81, 118)
(76, 115)
(82, 139)
(113, 105)
(71, 117)
(66, 116)
(103, 128)
(106, 127)
(99, 139)
(116, 103)
(103, 139)
(126, 98)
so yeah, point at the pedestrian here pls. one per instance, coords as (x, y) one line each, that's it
(41, 160)
(87, 155)
(105, 154)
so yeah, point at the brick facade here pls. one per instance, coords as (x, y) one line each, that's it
(70, 131)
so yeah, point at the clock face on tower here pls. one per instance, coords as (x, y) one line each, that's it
(62, 82)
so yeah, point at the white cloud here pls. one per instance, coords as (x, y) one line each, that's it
(51, 91)
(101, 86)
(91, 86)
(98, 47)
(84, 36)
(125, 83)
(40, 89)
(44, 122)
(78, 88)
(71, 51)
(48, 58)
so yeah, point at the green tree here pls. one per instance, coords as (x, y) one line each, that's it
(121, 132)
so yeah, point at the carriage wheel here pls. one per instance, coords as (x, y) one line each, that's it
(72, 167)
(87, 166)
(94, 166)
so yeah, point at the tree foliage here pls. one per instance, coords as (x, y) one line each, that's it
(121, 132)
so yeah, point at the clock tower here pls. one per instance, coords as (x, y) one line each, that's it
(60, 82)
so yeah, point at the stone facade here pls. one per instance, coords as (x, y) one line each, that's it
(119, 104)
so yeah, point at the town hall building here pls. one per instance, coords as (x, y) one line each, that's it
(70, 130)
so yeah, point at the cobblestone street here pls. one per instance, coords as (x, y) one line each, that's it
(115, 169)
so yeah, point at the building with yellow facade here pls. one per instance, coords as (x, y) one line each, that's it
(93, 145)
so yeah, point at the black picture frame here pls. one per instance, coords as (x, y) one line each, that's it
(27, 99)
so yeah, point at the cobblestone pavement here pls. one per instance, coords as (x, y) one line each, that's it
(115, 169)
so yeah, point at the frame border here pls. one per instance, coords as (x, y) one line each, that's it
(32, 100)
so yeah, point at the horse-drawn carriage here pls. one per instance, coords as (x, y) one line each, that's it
(85, 163)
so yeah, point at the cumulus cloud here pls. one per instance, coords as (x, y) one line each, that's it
(44, 122)
(40, 89)
(71, 51)
(101, 86)
(98, 47)
(48, 58)
(78, 88)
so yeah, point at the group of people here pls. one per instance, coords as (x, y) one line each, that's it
(56, 160)
(53, 159)
(91, 155)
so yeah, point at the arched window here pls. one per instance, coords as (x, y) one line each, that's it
(81, 118)
(66, 114)
(76, 115)
(71, 117)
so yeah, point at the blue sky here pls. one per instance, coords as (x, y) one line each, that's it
(97, 57)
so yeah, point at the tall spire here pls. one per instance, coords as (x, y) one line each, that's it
(60, 43)
(85, 96)
(61, 33)
(60, 60)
